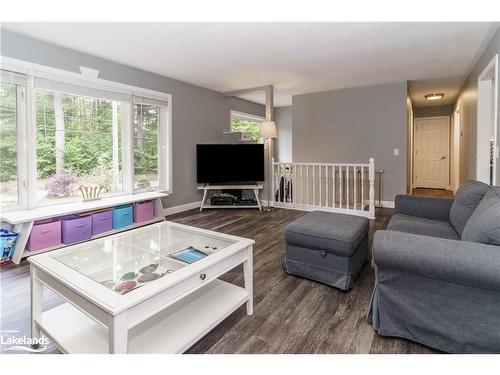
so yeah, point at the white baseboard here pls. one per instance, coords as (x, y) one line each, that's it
(183, 207)
(385, 204)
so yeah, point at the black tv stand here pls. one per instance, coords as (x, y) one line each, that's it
(254, 187)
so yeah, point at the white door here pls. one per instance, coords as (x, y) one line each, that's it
(432, 152)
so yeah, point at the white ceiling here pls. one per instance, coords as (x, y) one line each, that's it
(295, 57)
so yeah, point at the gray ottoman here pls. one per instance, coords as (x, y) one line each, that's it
(327, 247)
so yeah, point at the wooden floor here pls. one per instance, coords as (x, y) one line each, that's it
(433, 192)
(291, 314)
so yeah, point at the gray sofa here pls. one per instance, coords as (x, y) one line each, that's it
(437, 271)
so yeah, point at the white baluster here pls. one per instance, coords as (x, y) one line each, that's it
(371, 177)
(314, 185)
(301, 190)
(326, 186)
(348, 183)
(355, 190)
(341, 185)
(271, 198)
(334, 172)
(307, 181)
(320, 168)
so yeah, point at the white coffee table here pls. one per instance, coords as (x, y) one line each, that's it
(166, 315)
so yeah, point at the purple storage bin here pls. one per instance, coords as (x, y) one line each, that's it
(76, 228)
(102, 222)
(144, 211)
(45, 233)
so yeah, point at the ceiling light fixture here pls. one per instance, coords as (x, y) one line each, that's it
(434, 96)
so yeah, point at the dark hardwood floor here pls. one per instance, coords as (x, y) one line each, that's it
(291, 314)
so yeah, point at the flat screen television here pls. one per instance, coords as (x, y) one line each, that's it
(229, 163)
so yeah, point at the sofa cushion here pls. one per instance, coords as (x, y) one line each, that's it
(466, 201)
(484, 224)
(333, 232)
(426, 227)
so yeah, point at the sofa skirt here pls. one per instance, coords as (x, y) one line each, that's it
(425, 310)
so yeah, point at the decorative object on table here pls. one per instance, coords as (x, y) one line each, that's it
(129, 276)
(189, 255)
(91, 193)
(126, 286)
(144, 278)
(108, 283)
(149, 268)
(268, 131)
(7, 245)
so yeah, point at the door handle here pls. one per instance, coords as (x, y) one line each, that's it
(443, 157)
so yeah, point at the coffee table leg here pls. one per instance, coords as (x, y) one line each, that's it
(36, 304)
(248, 275)
(118, 334)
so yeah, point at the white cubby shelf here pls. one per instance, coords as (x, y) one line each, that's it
(21, 221)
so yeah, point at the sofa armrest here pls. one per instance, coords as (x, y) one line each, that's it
(426, 207)
(460, 262)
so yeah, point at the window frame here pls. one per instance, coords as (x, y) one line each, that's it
(20, 82)
(88, 80)
(243, 116)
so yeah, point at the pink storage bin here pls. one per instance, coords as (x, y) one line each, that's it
(44, 234)
(144, 211)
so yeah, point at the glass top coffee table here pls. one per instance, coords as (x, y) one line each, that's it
(153, 289)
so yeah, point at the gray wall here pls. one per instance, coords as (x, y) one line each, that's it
(467, 100)
(433, 111)
(352, 125)
(199, 115)
(283, 120)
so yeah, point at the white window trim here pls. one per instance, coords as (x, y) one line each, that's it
(27, 126)
(244, 116)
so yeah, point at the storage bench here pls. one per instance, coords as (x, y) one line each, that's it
(327, 247)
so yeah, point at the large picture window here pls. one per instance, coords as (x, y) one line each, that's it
(146, 146)
(83, 136)
(8, 145)
(78, 144)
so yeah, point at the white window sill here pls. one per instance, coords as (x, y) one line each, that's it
(22, 216)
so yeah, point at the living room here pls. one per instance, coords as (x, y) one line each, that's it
(333, 192)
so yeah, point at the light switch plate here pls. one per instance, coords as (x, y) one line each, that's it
(396, 152)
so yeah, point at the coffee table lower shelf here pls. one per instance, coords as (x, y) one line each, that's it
(174, 330)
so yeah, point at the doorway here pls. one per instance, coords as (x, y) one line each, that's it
(456, 134)
(432, 152)
(487, 124)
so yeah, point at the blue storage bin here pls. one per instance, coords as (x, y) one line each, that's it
(122, 216)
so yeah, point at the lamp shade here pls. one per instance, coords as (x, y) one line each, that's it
(268, 129)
